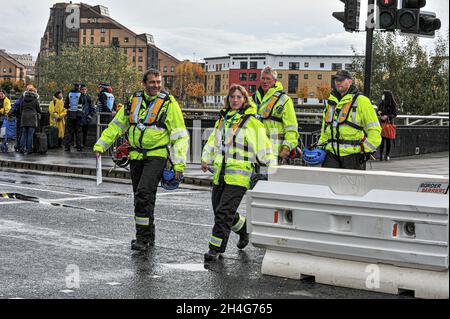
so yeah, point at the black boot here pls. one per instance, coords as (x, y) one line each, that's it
(140, 245)
(243, 241)
(212, 255)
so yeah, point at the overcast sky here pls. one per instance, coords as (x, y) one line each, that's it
(209, 28)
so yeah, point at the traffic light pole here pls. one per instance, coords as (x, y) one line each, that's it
(370, 28)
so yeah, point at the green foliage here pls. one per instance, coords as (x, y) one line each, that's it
(418, 79)
(88, 65)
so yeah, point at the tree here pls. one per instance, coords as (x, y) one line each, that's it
(418, 79)
(302, 93)
(323, 92)
(189, 81)
(88, 65)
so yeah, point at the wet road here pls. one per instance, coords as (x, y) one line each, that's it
(64, 237)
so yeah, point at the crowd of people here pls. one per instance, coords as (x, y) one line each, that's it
(71, 116)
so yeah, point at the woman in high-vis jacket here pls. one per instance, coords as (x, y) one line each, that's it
(237, 142)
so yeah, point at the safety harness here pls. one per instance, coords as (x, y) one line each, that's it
(269, 106)
(156, 116)
(343, 119)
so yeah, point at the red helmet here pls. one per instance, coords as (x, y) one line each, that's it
(109, 90)
(121, 155)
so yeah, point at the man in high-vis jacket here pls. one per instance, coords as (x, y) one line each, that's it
(351, 131)
(275, 109)
(74, 105)
(153, 120)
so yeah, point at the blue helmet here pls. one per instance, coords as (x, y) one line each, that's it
(314, 157)
(169, 181)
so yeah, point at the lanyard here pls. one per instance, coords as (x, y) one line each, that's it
(224, 128)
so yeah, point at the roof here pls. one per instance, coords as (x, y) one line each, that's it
(9, 58)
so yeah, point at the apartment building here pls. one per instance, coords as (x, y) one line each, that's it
(85, 25)
(10, 68)
(301, 75)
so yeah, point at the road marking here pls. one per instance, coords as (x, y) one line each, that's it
(67, 291)
(187, 267)
(45, 190)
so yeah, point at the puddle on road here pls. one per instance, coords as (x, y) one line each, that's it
(186, 267)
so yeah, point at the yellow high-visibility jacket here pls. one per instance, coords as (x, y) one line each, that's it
(152, 140)
(57, 115)
(237, 141)
(282, 125)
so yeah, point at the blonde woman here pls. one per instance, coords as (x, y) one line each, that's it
(57, 115)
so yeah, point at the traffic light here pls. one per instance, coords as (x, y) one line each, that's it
(387, 14)
(428, 24)
(409, 16)
(350, 16)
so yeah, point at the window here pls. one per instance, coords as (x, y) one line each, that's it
(306, 64)
(84, 31)
(84, 41)
(280, 76)
(243, 77)
(10, 70)
(92, 40)
(253, 76)
(322, 65)
(141, 50)
(305, 100)
(349, 67)
(253, 65)
(103, 30)
(126, 40)
(140, 68)
(141, 59)
(4, 70)
(134, 59)
(92, 31)
(252, 88)
(292, 83)
(306, 76)
(294, 66)
(244, 65)
(336, 66)
(172, 69)
(319, 77)
(280, 64)
(103, 40)
(165, 68)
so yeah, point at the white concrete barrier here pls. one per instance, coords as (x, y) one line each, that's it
(393, 219)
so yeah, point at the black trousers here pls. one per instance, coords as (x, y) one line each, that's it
(388, 146)
(72, 128)
(225, 201)
(84, 130)
(145, 176)
(355, 161)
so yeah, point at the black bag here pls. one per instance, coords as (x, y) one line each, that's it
(52, 136)
(40, 143)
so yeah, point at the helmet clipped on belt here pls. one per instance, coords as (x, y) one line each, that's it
(314, 157)
(121, 155)
(169, 180)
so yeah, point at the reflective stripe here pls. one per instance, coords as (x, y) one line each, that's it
(291, 146)
(373, 124)
(155, 128)
(135, 115)
(179, 134)
(291, 128)
(330, 118)
(208, 148)
(238, 172)
(215, 241)
(264, 153)
(105, 146)
(242, 147)
(241, 222)
(369, 145)
(142, 221)
(179, 160)
(343, 146)
(119, 124)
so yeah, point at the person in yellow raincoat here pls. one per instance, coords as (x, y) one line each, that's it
(57, 115)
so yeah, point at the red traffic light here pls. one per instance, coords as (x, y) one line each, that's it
(387, 3)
